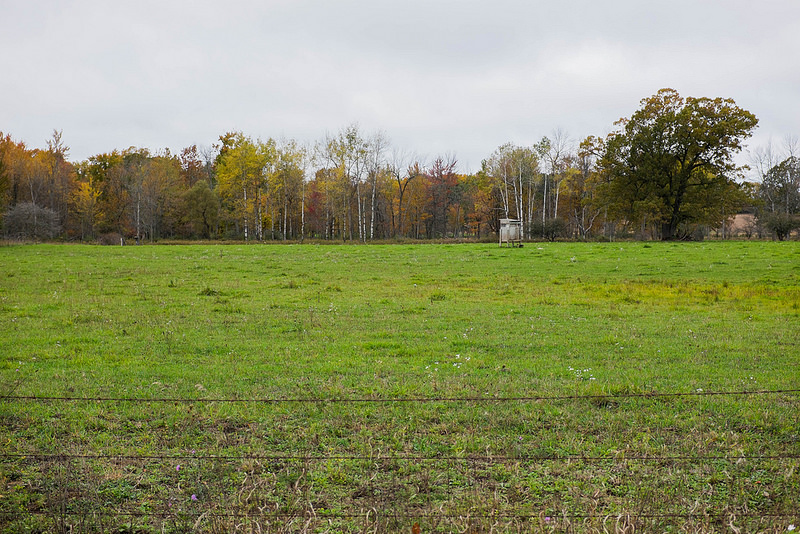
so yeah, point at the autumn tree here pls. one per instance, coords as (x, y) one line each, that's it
(780, 187)
(287, 186)
(161, 197)
(377, 175)
(13, 158)
(554, 153)
(344, 157)
(442, 183)
(193, 168)
(515, 170)
(402, 174)
(103, 197)
(60, 178)
(201, 209)
(672, 160)
(85, 204)
(323, 215)
(382, 213)
(242, 171)
(780, 195)
(416, 212)
(6, 145)
(128, 178)
(41, 177)
(581, 200)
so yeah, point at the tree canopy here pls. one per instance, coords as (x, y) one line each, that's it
(669, 172)
(673, 161)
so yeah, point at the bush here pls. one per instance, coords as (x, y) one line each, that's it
(781, 224)
(550, 230)
(29, 221)
(111, 238)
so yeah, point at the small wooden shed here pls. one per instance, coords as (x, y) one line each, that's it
(511, 232)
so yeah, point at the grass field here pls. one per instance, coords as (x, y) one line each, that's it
(561, 387)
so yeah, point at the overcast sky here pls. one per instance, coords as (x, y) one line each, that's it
(437, 77)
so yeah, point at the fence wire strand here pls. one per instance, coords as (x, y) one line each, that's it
(368, 400)
(374, 515)
(319, 458)
(473, 514)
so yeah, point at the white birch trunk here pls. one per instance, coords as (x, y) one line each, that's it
(244, 189)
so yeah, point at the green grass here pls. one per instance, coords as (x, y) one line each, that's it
(217, 323)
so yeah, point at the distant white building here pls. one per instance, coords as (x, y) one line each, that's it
(511, 232)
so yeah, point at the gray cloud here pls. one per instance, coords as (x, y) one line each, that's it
(437, 76)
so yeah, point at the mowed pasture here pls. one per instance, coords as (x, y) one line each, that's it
(560, 387)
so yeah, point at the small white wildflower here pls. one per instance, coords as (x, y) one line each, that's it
(790, 528)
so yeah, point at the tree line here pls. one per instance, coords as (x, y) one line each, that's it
(666, 172)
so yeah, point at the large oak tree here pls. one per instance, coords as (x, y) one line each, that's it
(673, 161)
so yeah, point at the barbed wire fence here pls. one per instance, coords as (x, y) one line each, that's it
(380, 492)
(392, 400)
